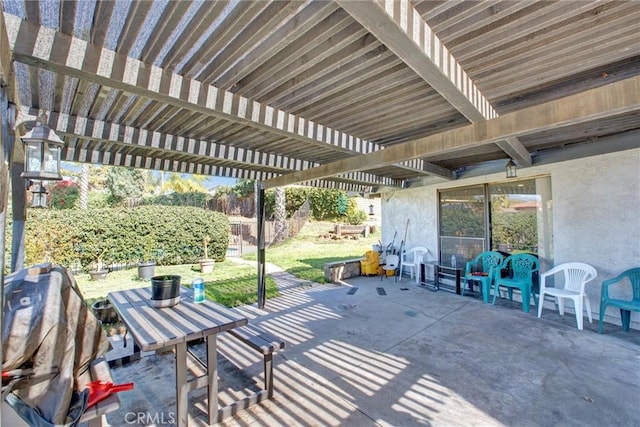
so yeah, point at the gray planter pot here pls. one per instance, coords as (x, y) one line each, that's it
(98, 274)
(104, 311)
(165, 287)
(206, 265)
(146, 269)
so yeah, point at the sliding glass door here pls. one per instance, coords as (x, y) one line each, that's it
(463, 225)
(512, 217)
(521, 219)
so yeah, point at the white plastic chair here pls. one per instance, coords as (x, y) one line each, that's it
(412, 259)
(390, 263)
(576, 276)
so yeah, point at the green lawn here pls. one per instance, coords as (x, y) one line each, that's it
(230, 284)
(233, 284)
(305, 255)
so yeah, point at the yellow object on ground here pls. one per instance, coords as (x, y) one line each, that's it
(370, 265)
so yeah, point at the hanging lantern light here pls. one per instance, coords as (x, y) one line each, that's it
(511, 169)
(39, 195)
(42, 152)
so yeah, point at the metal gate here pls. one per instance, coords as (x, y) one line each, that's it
(243, 233)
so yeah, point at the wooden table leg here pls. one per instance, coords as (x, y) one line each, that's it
(212, 378)
(182, 392)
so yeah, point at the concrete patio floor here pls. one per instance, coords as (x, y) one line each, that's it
(412, 357)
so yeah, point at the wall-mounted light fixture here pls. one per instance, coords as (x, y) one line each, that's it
(371, 211)
(511, 169)
(39, 195)
(42, 152)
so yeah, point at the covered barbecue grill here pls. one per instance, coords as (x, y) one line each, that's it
(49, 339)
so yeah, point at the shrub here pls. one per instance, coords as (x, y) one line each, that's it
(64, 195)
(169, 234)
(353, 215)
(295, 197)
(179, 199)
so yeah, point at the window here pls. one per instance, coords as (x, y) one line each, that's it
(513, 217)
(463, 224)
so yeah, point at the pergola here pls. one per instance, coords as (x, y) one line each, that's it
(364, 96)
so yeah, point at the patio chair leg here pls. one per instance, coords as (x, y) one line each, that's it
(601, 323)
(579, 315)
(625, 315)
(587, 304)
(526, 301)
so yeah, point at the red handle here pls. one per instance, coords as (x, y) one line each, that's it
(100, 390)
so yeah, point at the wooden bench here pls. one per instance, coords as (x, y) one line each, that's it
(266, 344)
(351, 230)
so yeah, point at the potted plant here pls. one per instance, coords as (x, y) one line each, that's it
(147, 267)
(165, 290)
(99, 272)
(206, 263)
(104, 311)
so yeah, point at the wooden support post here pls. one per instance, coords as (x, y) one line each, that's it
(182, 401)
(5, 140)
(268, 374)
(18, 204)
(4, 191)
(262, 291)
(212, 375)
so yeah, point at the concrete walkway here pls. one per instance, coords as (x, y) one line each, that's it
(412, 357)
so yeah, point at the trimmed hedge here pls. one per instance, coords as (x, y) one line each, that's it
(169, 235)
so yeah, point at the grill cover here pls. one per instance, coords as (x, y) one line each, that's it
(47, 327)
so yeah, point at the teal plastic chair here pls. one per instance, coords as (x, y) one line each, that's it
(482, 269)
(625, 306)
(522, 268)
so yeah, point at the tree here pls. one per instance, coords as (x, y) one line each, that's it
(280, 215)
(243, 188)
(125, 183)
(152, 183)
(98, 177)
(84, 186)
(181, 184)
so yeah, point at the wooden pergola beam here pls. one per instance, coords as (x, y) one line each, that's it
(58, 52)
(599, 103)
(67, 55)
(154, 162)
(200, 153)
(401, 28)
(514, 149)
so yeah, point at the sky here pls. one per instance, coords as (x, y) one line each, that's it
(214, 181)
(210, 182)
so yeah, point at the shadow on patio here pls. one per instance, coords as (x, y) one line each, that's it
(412, 357)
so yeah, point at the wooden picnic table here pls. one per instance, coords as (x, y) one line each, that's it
(157, 328)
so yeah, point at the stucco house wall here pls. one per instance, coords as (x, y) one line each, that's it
(596, 205)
